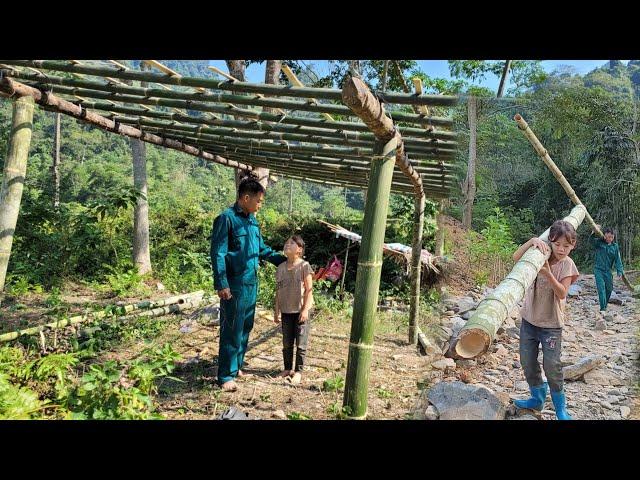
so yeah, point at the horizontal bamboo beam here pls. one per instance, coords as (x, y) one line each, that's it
(297, 136)
(13, 88)
(199, 101)
(269, 121)
(342, 171)
(234, 86)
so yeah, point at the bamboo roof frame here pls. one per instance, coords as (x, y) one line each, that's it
(293, 143)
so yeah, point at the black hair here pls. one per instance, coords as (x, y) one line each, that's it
(609, 230)
(298, 241)
(249, 186)
(561, 228)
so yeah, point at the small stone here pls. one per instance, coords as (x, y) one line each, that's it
(625, 411)
(501, 351)
(596, 377)
(513, 332)
(160, 287)
(600, 324)
(444, 364)
(522, 386)
(467, 315)
(449, 312)
(516, 364)
(431, 413)
(397, 357)
(568, 337)
(609, 332)
(279, 414)
(606, 405)
(466, 363)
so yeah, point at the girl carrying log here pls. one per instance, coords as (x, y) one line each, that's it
(607, 254)
(543, 318)
(294, 298)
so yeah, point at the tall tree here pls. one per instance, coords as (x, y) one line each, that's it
(271, 76)
(141, 254)
(55, 168)
(469, 185)
(503, 78)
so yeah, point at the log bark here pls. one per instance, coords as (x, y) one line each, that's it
(368, 280)
(551, 165)
(13, 176)
(236, 70)
(141, 253)
(480, 330)
(469, 185)
(572, 372)
(416, 268)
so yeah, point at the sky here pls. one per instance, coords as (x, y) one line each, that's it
(433, 68)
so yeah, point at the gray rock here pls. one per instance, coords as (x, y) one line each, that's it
(431, 413)
(574, 290)
(606, 405)
(600, 324)
(464, 304)
(522, 386)
(616, 299)
(459, 401)
(513, 332)
(516, 364)
(466, 363)
(597, 377)
(625, 411)
(444, 364)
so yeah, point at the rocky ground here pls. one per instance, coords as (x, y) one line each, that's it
(484, 387)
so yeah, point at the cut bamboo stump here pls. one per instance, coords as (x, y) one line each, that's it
(480, 330)
(544, 155)
(572, 372)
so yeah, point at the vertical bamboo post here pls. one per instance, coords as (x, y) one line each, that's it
(290, 196)
(15, 169)
(55, 168)
(344, 268)
(368, 279)
(416, 267)
(439, 251)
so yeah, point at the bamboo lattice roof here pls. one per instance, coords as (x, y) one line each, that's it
(310, 136)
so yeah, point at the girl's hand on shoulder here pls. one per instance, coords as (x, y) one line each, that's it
(304, 316)
(546, 269)
(540, 245)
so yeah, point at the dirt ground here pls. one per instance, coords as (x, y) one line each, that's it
(396, 372)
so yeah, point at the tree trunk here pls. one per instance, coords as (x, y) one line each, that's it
(503, 79)
(141, 254)
(480, 330)
(469, 185)
(55, 169)
(15, 170)
(385, 72)
(236, 70)
(416, 268)
(439, 250)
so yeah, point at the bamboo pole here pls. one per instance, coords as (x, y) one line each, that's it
(480, 330)
(544, 155)
(416, 267)
(13, 88)
(210, 132)
(368, 280)
(202, 102)
(92, 316)
(275, 123)
(265, 89)
(14, 172)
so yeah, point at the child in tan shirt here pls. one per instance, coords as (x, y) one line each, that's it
(543, 318)
(294, 298)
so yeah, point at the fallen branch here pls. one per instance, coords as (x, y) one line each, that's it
(572, 372)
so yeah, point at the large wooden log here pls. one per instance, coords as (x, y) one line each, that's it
(480, 330)
(274, 90)
(13, 88)
(13, 176)
(557, 173)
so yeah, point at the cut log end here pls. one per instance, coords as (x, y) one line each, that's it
(472, 342)
(517, 117)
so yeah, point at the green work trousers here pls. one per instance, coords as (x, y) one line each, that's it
(604, 284)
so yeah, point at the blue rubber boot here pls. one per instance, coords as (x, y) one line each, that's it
(538, 396)
(560, 403)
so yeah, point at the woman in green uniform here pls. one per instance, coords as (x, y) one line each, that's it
(607, 254)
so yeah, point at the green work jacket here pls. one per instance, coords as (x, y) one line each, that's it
(606, 256)
(236, 249)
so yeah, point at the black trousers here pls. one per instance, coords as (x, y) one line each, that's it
(294, 332)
